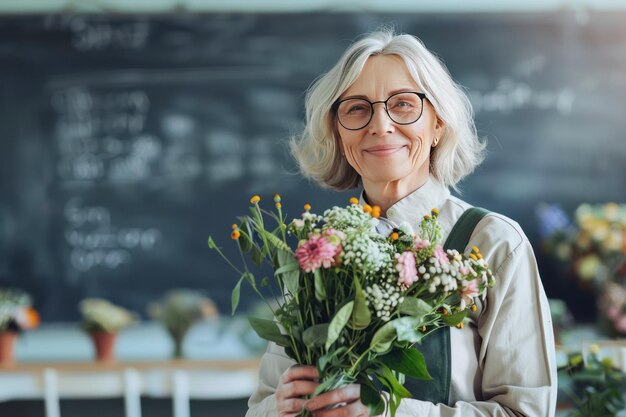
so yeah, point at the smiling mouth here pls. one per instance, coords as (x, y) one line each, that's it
(384, 151)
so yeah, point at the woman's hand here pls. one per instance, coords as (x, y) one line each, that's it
(295, 382)
(346, 402)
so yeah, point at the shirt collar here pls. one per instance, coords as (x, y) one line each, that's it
(413, 207)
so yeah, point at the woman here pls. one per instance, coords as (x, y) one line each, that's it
(389, 117)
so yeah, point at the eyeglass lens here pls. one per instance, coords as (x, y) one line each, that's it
(402, 108)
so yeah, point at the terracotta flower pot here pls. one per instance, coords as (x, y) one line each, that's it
(7, 345)
(104, 344)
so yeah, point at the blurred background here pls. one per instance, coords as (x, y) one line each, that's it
(131, 131)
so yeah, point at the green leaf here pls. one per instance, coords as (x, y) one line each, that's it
(290, 271)
(456, 318)
(396, 390)
(320, 289)
(338, 323)
(409, 361)
(371, 397)
(415, 307)
(315, 335)
(245, 240)
(361, 315)
(407, 329)
(212, 244)
(268, 330)
(234, 298)
(385, 373)
(382, 339)
(257, 255)
(276, 241)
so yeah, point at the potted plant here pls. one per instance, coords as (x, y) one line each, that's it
(16, 314)
(103, 321)
(178, 311)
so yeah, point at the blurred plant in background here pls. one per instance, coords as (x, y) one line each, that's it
(100, 315)
(179, 310)
(599, 389)
(593, 249)
(16, 314)
(103, 320)
(16, 311)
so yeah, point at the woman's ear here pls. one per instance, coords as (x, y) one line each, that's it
(440, 128)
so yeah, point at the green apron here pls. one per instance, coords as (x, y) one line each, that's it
(436, 347)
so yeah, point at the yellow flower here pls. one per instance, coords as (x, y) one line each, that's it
(354, 200)
(427, 216)
(423, 328)
(255, 199)
(475, 249)
(394, 236)
(307, 207)
(473, 256)
(435, 211)
(278, 205)
(460, 325)
(235, 234)
(375, 212)
(473, 307)
(367, 208)
(234, 226)
(480, 256)
(444, 311)
(276, 198)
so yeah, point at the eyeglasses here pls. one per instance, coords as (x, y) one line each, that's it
(402, 108)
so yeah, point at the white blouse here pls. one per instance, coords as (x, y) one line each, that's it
(503, 360)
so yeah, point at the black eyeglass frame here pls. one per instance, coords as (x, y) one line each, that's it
(335, 107)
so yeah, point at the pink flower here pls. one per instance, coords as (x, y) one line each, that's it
(407, 268)
(441, 255)
(613, 312)
(469, 291)
(421, 244)
(316, 252)
(620, 324)
(333, 232)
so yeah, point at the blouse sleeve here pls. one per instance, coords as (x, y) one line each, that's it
(516, 355)
(273, 363)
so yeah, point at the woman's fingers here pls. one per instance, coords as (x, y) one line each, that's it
(296, 389)
(295, 383)
(297, 372)
(347, 394)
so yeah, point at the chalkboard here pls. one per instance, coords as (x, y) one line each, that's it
(125, 141)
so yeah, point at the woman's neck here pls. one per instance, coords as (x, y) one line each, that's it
(386, 194)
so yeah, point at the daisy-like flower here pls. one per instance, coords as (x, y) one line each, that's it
(315, 253)
(406, 268)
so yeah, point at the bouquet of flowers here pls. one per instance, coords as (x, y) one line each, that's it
(353, 302)
(16, 311)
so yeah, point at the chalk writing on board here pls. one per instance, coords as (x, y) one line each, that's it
(96, 242)
(510, 95)
(89, 34)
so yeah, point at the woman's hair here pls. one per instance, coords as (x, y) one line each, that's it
(317, 150)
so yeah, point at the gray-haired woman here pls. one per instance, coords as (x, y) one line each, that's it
(389, 118)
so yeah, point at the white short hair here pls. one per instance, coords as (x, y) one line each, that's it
(317, 149)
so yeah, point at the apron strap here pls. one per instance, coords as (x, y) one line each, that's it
(436, 347)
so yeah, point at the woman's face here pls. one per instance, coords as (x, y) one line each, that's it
(384, 151)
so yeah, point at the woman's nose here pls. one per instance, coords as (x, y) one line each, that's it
(380, 124)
